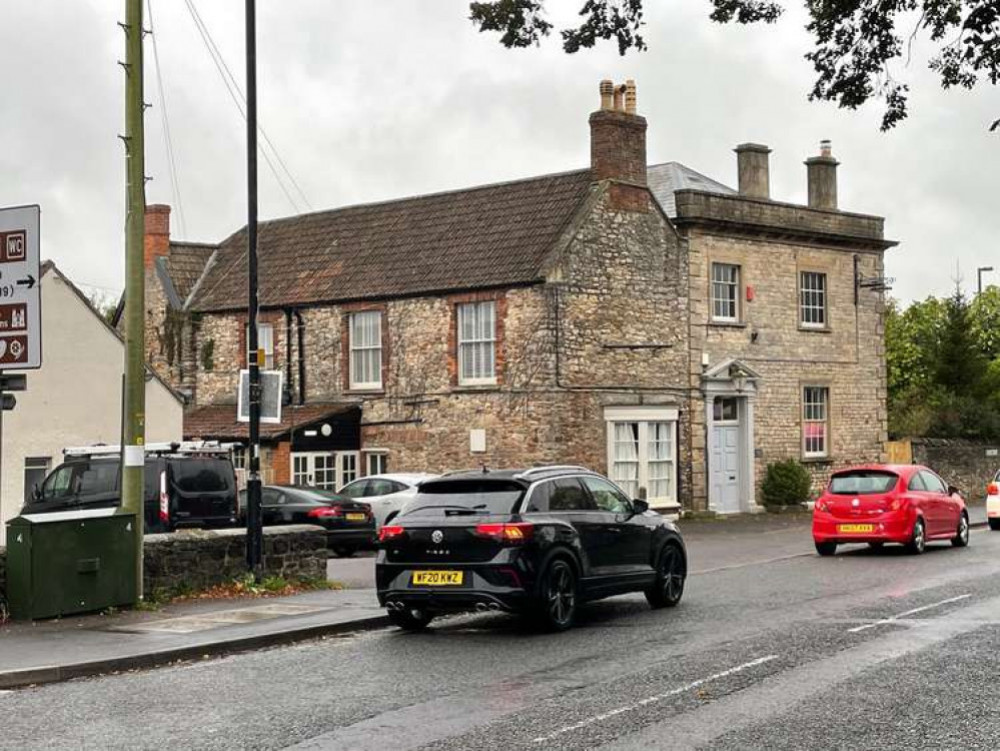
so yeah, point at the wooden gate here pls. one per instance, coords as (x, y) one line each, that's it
(899, 452)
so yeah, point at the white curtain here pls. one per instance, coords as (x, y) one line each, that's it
(366, 348)
(626, 465)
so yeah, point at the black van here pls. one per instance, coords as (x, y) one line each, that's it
(180, 490)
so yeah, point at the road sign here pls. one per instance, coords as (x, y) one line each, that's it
(270, 396)
(20, 298)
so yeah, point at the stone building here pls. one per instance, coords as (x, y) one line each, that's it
(645, 321)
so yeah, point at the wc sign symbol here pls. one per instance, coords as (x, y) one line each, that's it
(15, 246)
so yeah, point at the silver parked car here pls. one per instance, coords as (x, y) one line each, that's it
(386, 494)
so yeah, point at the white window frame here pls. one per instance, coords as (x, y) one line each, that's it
(382, 462)
(645, 416)
(813, 300)
(265, 341)
(477, 340)
(376, 347)
(306, 473)
(809, 418)
(733, 287)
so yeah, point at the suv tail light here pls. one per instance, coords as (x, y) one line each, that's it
(993, 488)
(326, 512)
(390, 532)
(508, 534)
(164, 498)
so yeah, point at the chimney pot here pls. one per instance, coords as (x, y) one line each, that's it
(619, 98)
(630, 98)
(753, 170)
(607, 92)
(825, 148)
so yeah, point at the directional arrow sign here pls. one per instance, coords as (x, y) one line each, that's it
(20, 293)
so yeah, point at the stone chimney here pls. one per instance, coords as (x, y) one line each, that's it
(618, 136)
(157, 239)
(822, 171)
(754, 171)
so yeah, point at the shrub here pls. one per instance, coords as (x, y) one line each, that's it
(786, 483)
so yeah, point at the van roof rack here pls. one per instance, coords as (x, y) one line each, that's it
(154, 449)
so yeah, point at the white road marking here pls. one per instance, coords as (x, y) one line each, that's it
(890, 619)
(653, 699)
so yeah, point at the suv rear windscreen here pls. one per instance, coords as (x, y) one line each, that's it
(465, 496)
(863, 482)
(201, 475)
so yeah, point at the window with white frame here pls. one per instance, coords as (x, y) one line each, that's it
(812, 299)
(35, 470)
(239, 457)
(348, 467)
(477, 334)
(815, 421)
(642, 451)
(366, 350)
(725, 292)
(376, 463)
(265, 341)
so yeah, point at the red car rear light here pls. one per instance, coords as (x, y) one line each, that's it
(513, 533)
(896, 504)
(390, 533)
(326, 512)
(822, 506)
(993, 488)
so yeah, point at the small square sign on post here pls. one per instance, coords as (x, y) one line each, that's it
(20, 299)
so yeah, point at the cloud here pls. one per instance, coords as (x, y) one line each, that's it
(374, 100)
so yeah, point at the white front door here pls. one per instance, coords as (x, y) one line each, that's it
(329, 471)
(726, 469)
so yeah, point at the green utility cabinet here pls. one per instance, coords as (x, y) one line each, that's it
(70, 562)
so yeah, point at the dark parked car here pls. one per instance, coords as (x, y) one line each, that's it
(181, 490)
(536, 542)
(349, 524)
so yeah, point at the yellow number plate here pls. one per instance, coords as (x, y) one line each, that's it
(354, 517)
(856, 528)
(437, 578)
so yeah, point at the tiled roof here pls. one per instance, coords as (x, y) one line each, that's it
(185, 264)
(218, 421)
(467, 239)
(666, 178)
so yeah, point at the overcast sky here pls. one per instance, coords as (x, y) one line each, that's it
(375, 99)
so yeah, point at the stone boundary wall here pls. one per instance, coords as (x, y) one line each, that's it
(198, 559)
(968, 465)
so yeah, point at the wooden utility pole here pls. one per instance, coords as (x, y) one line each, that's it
(134, 438)
(255, 552)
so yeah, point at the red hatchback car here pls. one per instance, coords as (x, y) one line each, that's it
(883, 503)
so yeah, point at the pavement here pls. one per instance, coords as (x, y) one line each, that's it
(74, 647)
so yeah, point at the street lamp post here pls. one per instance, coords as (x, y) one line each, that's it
(979, 278)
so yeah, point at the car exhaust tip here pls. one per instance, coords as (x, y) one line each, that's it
(494, 606)
(481, 607)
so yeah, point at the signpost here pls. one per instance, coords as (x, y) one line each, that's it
(20, 301)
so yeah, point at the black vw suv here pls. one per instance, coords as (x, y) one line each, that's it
(536, 542)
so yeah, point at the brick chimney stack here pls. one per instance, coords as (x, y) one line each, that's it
(822, 175)
(618, 136)
(754, 170)
(157, 240)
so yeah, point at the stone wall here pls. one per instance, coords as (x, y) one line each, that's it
(967, 465)
(847, 356)
(198, 559)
